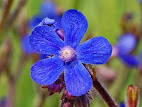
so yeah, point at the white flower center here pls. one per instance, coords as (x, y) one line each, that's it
(67, 53)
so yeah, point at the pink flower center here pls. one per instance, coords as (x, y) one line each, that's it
(67, 54)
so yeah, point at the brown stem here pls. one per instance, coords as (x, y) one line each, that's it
(15, 13)
(5, 14)
(11, 92)
(104, 93)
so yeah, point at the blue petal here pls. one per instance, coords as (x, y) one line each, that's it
(44, 40)
(43, 56)
(26, 47)
(58, 21)
(94, 51)
(47, 71)
(126, 43)
(77, 79)
(129, 60)
(74, 25)
(34, 21)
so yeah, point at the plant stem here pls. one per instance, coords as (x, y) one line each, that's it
(6, 10)
(15, 13)
(11, 92)
(104, 93)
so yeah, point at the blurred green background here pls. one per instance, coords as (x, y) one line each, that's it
(103, 20)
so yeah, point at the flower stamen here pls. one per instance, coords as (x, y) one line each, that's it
(67, 54)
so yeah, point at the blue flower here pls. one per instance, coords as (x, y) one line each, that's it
(68, 55)
(47, 9)
(125, 45)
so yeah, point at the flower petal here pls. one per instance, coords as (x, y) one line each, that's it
(44, 40)
(77, 79)
(94, 51)
(34, 21)
(74, 24)
(47, 71)
(129, 60)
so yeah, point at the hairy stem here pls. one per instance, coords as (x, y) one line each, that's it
(104, 93)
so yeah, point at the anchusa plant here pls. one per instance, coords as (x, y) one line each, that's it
(65, 69)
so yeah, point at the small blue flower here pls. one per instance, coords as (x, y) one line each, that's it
(47, 9)
(125, 45)
(68, 55)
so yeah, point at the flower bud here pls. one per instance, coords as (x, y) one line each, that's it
(67, 104)
(68, 95)
(132, 96)
(60, 33)
(57, 86)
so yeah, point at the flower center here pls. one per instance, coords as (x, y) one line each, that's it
(67, 54)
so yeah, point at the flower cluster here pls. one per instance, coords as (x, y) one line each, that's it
(68, 55)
